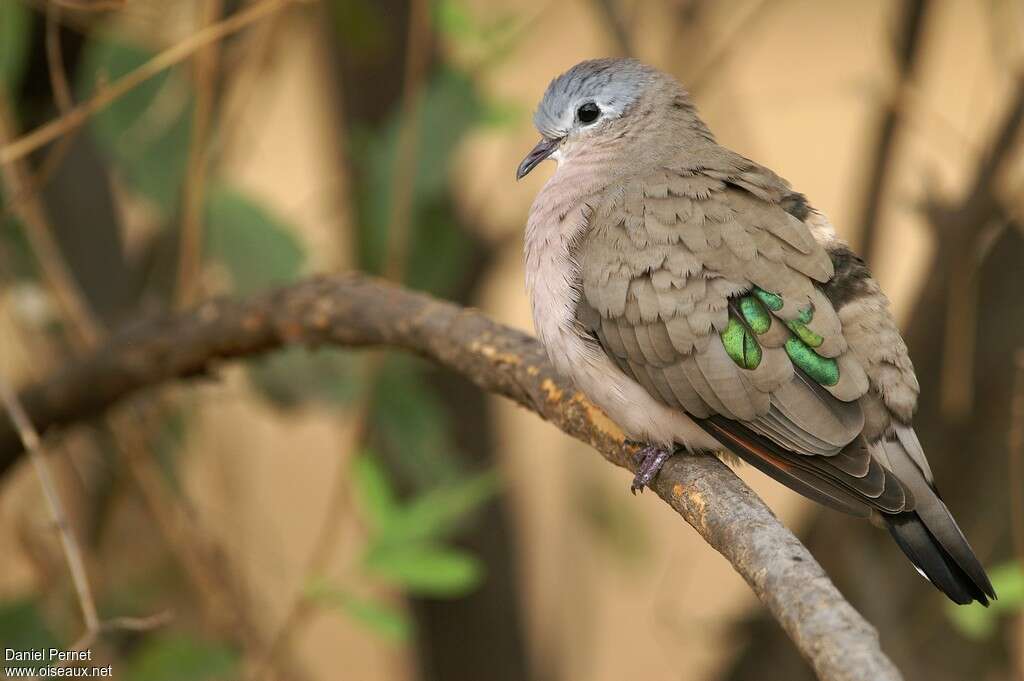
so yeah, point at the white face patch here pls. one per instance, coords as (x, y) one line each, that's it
(568, 122)
(611, 84)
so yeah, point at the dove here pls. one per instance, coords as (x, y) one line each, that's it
(707, 307)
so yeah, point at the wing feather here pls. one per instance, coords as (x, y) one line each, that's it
(667, 268)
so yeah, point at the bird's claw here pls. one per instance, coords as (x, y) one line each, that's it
(651, 459)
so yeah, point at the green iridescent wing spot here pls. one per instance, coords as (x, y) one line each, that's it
(757, 318)
(805, 334)
(741, 345)
(823, 370)
(806, 315)
(771, 301)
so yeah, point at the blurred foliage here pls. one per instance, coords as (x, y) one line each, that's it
(406, 547)
(389, 622)
(146, 132)
(481, 42)
(975, 621)
(22, 627)
(416, 504)
(362, 26)
(258, 249)
(449, 107)
(16, 256)
(179, 657)
(292, 377)
(406, 541)
(432, 516)
(15, 24)
(410, 423)
(146, 137)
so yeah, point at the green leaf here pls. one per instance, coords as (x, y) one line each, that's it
(488, 41)
(411, 425)
(439, 253)
(15, 252)
(390, 623)
(425, 569)
(257, 249)
(146, 132)
(374, 493)
(438, 512)
(363, 27)
(296, 375)
(22, 627)
(975, 621)
(1008, 582)
(15, 31)
(453, 19)
(178, 657)
(450, 106)
(504, 113)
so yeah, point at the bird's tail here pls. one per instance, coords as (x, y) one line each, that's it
(935, 545)
(928, 534)
(902, 494)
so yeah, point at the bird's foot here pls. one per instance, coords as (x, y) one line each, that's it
(650, 461)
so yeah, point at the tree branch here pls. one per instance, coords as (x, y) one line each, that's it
(358, 311)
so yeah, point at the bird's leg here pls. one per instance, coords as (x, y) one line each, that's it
(651, 459)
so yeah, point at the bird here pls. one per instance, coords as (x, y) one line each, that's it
(707, 307)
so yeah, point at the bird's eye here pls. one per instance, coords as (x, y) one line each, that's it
(588, 113)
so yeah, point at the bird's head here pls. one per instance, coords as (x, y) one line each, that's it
(607, 104)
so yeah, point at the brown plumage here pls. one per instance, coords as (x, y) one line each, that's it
(702, 303)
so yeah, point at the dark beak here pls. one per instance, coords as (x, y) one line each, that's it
(540, 152)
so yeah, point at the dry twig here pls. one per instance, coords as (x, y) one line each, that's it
(55, 60)
(190, 251)
(74, 118)
(72, 553)
(28, 208)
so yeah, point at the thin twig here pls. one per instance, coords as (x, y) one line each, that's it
(72, 553)
(134, 624)
(87, 330)
(398, 236)
(74, 118)
(906, 55)
(90, 5)
(978, 209)
(403, 174)
(190, 250)
(30, 212)
(55, 61)
(247, 73)
(723, 48)
(39, 179)
(222, 598)
(609, 11)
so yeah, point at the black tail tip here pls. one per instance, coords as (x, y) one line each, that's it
(952, 569)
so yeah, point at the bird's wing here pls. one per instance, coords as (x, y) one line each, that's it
(705, 294)
(708, 287)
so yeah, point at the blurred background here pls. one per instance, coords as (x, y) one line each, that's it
(343, 515)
